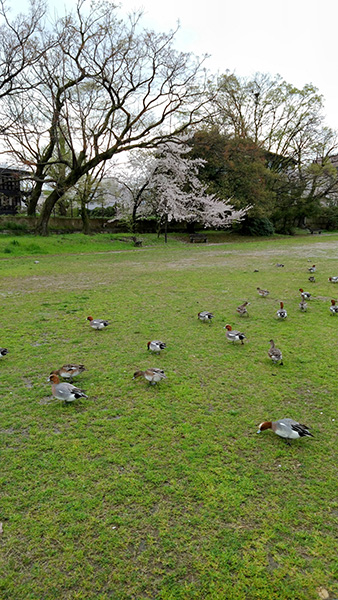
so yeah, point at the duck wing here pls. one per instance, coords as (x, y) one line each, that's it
(302, 430)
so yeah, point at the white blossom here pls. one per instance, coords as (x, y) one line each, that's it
(179, 195)
(170, 188)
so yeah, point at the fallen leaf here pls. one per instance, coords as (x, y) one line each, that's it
(322, 593)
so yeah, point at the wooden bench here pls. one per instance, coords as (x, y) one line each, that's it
(198, 238)
(314, 231)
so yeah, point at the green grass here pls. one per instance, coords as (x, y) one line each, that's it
(21, 244)
(166, 492)
(29, 245)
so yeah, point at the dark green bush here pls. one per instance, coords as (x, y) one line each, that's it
(256, 227)
(98, 211)
(329, 217)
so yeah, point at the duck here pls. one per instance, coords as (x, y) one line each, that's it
(306, 295)
(333, 279)
(263, 293)
(156, 346)
(242, 309)
(286, 428)
(303, 304)
(312, 269)
(151, 375)
(97, 323)
(64, 391)
(281, 312)
(233, 335)
(333, 308)
(3, 352)
(312, 279)
(205, 316)
(70, 371)
(279, 265)
(275, 353)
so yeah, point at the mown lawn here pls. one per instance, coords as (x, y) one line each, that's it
(77, 243)
(166, 492)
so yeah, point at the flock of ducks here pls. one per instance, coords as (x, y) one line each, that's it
(285, 428)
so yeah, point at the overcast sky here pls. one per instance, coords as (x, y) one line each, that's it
(295, 38)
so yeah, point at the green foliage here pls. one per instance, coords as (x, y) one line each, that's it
(17, 228)
(277, 151)
(256, 227)
(236, 169)
(166, 491)
(105, 211)
(329, 216)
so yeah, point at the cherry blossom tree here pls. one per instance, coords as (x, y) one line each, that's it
(171, 190)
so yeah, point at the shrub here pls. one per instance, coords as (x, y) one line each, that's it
(98, 211)
(256, 227)
(17, 228)
(329, 217)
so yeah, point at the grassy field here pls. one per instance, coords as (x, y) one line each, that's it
(166, 492)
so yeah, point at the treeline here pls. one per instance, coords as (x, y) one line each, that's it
(81, 91)
(266, 144)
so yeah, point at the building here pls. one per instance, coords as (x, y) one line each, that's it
(11, 192)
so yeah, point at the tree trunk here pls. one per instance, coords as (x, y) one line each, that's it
(42, 225)
(62, 208)
(133, 218)
(159, 227)
(40, 174)
(72, 179)
(85, 217)
(43, 220)
(166, 230)
(34, 199)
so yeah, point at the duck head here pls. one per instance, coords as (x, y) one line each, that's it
(53, 377)
(264, 425)
(138, 374)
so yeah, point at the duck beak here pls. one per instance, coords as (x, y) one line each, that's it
(259, 431)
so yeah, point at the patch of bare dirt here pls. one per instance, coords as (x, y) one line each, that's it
(100, 274)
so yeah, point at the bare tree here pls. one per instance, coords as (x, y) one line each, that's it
(272, 113)
(21, 47)
(88, 189)
(23, 42)
(109, 87)
(134, 179)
